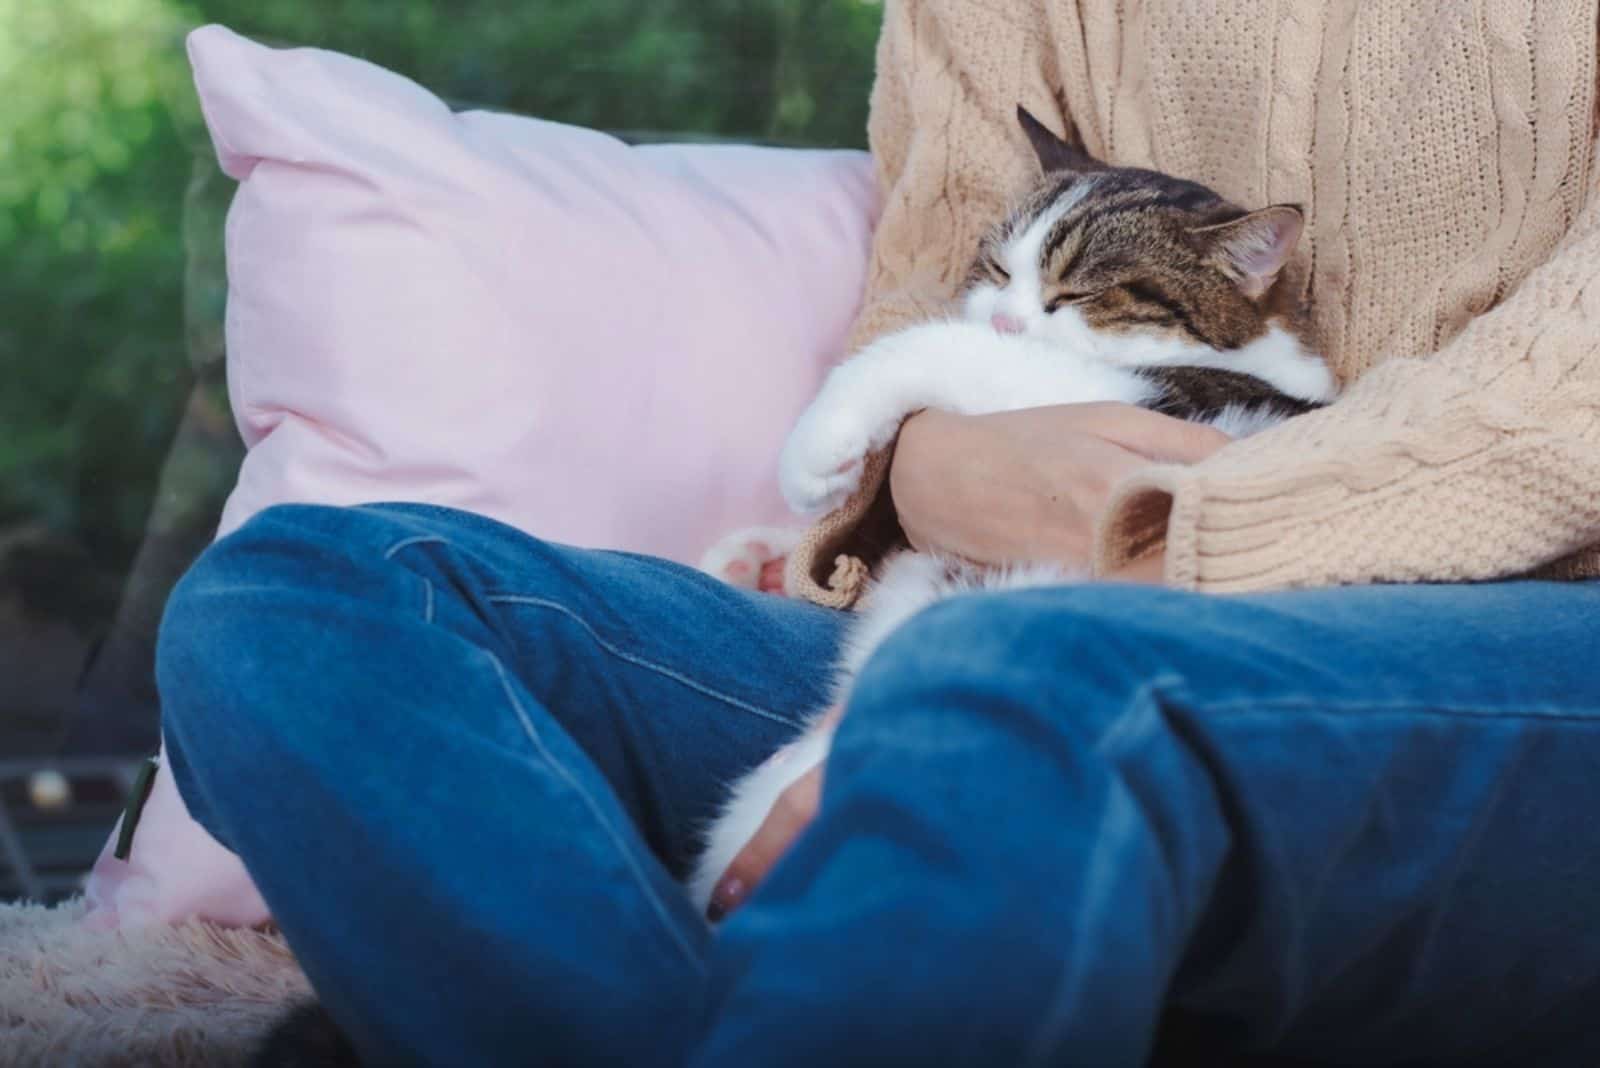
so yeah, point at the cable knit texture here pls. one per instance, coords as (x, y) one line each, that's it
(1444, 154)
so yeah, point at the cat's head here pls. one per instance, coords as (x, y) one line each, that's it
(1101, 257)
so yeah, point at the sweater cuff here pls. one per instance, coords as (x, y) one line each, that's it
(1148, 511)
(1215, 541)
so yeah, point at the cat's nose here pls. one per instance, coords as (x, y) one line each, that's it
(1006, 324)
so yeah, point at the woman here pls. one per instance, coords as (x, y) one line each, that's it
(1341, 815)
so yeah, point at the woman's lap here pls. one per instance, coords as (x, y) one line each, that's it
(1347, 825)
(1338, 818)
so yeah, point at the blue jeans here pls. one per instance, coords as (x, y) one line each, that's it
(1080, 826)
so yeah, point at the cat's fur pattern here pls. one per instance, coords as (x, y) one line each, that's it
(1104, 284)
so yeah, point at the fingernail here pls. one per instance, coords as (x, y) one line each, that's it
(727, 897)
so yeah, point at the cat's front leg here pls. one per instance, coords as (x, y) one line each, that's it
(862, 403)
(855, 413)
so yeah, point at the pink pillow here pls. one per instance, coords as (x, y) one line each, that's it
(599, 344)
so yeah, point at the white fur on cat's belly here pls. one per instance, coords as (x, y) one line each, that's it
(912, 581)
(962, 367)
(909, 583)
(1240, 421)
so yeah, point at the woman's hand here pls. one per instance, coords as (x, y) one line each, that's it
(789, 815)
(1150, 570)
(1029, 485)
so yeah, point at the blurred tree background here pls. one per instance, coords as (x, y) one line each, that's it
(116, 448)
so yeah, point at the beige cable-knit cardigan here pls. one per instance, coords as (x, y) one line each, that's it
(1444, 153)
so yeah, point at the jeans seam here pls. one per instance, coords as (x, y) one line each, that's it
(427, 583)
(406, 543)
(1445, 710)
(576, 786)
(644, 662)
(549, 758)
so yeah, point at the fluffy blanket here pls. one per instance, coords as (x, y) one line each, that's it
(191, 995)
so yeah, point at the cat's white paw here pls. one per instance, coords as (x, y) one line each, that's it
(824, 457)
(752, 558)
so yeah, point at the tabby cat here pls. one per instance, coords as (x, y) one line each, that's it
(1104, 284)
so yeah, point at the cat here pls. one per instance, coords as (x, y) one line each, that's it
(1104, 284)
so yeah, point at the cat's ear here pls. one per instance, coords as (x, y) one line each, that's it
(1055, 153)
(1254, 248)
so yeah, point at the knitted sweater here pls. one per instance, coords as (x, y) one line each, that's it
(1444, 154)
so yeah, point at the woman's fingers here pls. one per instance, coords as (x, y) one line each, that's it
(791, 814)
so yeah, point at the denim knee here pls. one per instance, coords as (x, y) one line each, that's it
(1049, 692)
(1092, 646)
(224, 629)
(273, 551)
(232, 622)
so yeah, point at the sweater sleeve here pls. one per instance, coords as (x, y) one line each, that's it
(948, 149)
(1479, 461)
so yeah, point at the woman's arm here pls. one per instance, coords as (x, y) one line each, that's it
(1479, 462)
(1029, 484)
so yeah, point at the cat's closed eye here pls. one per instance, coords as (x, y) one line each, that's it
(1061, 300)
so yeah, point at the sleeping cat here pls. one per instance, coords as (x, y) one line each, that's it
(1104, 284)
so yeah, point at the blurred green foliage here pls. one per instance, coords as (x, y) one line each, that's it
(111, 283)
